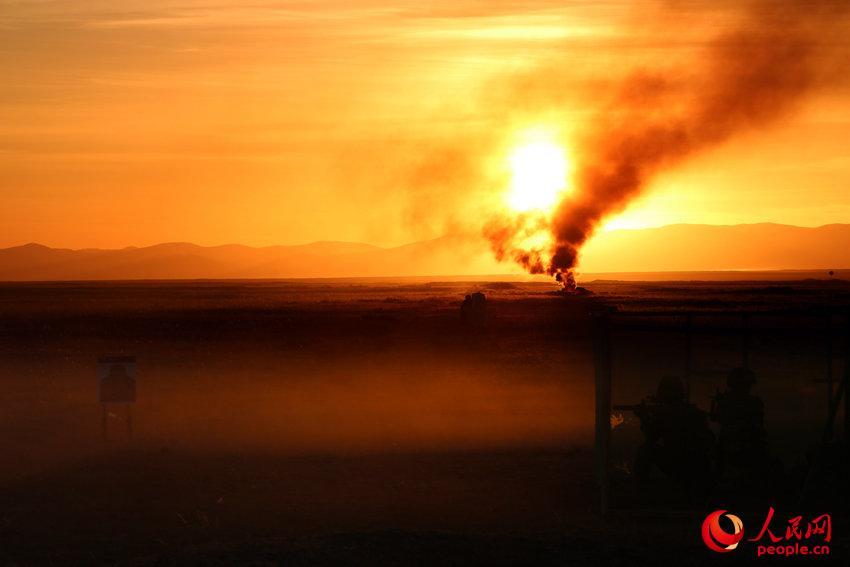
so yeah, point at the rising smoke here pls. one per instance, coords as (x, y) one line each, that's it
(748, 77)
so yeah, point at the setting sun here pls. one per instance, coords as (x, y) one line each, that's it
(538, 175)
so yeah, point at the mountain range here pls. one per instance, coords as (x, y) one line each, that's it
(671, 248)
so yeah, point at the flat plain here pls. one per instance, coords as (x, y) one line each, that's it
(359, 421)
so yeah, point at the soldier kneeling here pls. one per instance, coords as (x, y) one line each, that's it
(677, 439)
(740, 414)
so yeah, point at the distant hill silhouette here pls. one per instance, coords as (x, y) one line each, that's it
(442, 256)
(692, 247)
(672, 248)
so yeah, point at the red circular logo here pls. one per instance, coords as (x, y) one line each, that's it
(718, 539)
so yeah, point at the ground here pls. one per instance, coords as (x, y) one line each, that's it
(361, 422)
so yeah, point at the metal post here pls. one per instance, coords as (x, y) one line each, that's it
(602, 363)
(829, 381)
(104, 416)
(745, 341)
(845, 379)
(688, 351)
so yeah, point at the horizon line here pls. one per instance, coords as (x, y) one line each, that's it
(386, 247)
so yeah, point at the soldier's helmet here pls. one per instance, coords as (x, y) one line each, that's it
(670, 390)
(740, 378)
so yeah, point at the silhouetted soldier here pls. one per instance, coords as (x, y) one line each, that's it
(740, 415)
(473, 310)
(677, 441)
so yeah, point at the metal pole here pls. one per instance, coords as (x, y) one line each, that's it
(688, 351)
(602, 363)
(845, 379)
(104, 415)
(745, 341)
(828, 328)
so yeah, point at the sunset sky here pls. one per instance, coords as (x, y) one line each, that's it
(139, 122)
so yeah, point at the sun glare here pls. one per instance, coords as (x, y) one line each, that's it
(538, 175)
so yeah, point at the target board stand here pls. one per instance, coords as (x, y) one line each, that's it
(117, 387)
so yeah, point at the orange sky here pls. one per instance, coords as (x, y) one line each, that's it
(138, 122)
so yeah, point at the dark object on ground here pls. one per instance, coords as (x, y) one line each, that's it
(473, 310)
(118, 386)
(577, 292)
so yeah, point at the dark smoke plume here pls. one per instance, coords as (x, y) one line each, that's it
(748, 78)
